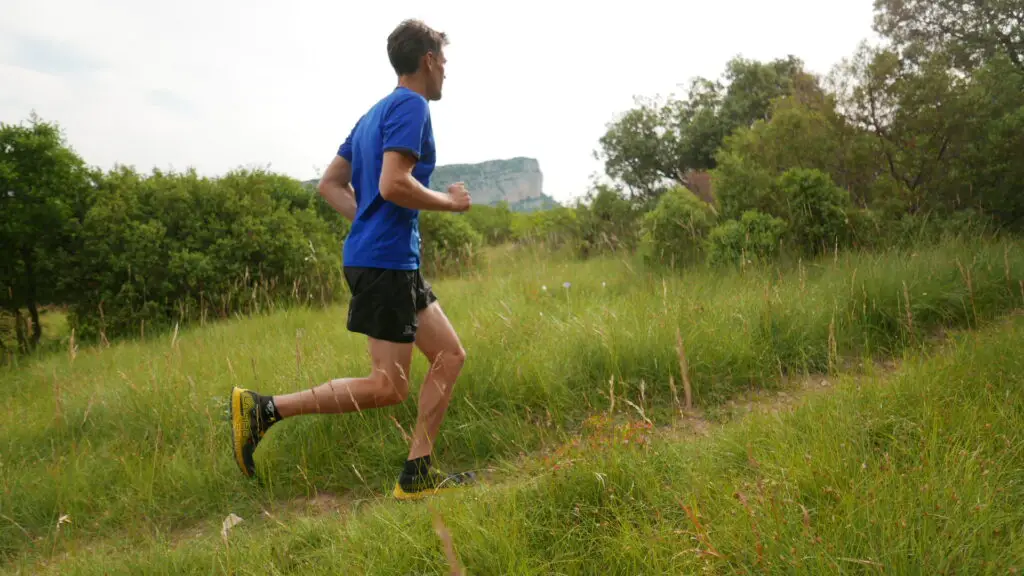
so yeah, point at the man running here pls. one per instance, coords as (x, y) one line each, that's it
(379, 181)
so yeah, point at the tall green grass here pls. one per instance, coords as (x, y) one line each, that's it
(129, 441)
(918, 472)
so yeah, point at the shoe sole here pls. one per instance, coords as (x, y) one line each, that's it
(400, 494)
(236, 425)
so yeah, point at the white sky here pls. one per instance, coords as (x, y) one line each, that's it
(221, 84)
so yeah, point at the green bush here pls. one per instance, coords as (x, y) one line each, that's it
(754, 238)
(741, 183)
(494, 223)
(673, 233)
(167, 248)
(449, 244)
(553, 228)
(607, 222)
(816, 210)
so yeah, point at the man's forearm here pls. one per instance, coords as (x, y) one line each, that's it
(341, 198)
(407, 192)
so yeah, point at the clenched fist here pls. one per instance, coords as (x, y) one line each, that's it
(460, 197)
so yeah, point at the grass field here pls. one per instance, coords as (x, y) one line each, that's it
(913, 470)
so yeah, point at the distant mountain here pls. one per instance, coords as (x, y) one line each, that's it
(517, 181)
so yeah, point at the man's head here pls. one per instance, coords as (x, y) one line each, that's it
(416, 52)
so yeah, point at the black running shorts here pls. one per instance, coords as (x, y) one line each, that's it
(385, 303)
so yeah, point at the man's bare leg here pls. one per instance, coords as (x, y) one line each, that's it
(253, 414)
(387, 384)
(437, 340)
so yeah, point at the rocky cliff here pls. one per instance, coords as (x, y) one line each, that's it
(517, 181)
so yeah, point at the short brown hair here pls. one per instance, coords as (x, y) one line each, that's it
(409, 42)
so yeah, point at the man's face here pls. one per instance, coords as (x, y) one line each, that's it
(435, 70)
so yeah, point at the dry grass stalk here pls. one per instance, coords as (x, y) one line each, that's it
(72, 347)
(449, 545)
(684, 370)
(966, 273)
(675, 395)
(298, 355)
(611, 394)
(174, 338)
(701, 533)
(58, 412)
(1006, 266)
(833, 348)
(405, 435)
(910, 314)
(753, 526)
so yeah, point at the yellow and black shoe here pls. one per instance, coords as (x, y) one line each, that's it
(430, 483)
(251, 416)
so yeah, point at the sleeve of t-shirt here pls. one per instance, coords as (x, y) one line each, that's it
(404, 124)
(345, 150)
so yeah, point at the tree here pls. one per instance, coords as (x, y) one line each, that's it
(915, 110)
(658, 145)
(44, 191)
(972, 32)
(641, 149)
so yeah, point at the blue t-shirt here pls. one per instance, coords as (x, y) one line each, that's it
(384, 234)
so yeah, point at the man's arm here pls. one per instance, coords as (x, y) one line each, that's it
(398, 186)
(403, 133)
(336, 187)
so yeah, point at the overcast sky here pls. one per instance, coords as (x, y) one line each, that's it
(221, 84)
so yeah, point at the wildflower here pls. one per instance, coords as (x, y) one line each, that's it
(566, 285)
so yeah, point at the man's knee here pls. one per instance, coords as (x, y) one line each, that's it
(451, 359)
(392, 387)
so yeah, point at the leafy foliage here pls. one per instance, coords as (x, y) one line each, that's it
(449, 242)
(972, 32)
(168, 248)
(674, 231)
(555, 228)
(44, 187)
(754, 238)
(816, 209)
(494, 223)
(607, 222)
(658, 145)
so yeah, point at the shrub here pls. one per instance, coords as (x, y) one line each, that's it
(754, 238)
(607, 222)
(815, 208)
(449, 244)
(742, 184)
(673, 233)
(494, 223)
(175, 247)
(554, 228)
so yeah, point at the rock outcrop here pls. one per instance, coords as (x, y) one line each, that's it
(517, 181)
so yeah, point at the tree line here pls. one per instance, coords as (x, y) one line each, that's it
(916, 137)
(900, 143)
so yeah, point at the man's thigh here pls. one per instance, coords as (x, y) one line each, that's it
(436, 336)
(392, 360)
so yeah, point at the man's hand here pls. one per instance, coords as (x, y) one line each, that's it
(460, 197)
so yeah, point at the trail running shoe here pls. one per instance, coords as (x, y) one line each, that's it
(432, 483)
(248, 425)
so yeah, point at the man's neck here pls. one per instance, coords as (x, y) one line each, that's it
(414, 83)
